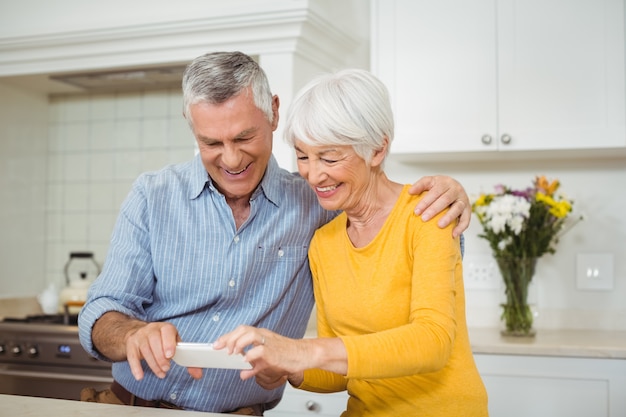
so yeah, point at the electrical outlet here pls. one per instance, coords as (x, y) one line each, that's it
(594, 271)
(480, 272)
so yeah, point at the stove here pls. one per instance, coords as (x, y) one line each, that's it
(41, 356)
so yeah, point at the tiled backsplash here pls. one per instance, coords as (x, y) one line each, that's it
(97, 146)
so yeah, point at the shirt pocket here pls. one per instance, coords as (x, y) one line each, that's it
(275, 271)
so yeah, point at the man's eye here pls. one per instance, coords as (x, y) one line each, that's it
(329, 161)
(302, 158)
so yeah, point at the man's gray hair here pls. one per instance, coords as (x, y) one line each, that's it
(217, 77)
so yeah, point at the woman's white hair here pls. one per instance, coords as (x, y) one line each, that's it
(349, 107)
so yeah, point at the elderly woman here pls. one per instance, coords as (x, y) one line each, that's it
(388, 286)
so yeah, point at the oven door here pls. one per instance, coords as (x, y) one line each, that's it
(51, 381)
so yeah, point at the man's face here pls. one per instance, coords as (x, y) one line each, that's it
(235, 142)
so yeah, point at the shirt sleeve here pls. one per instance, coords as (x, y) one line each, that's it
(317, 380)
(127, 280)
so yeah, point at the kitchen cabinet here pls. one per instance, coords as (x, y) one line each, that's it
(492, 76)
(520, 385)
(299, 403)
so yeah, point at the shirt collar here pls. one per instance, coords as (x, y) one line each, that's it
(270, 183)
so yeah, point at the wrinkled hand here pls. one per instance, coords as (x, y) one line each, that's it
(156, 344)
(273, 357)
(443, 192)
(270, 380)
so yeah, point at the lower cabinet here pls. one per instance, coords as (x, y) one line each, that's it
(517, 385)
(524, 386)
(299, 403)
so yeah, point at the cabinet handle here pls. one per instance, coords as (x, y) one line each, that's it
(486, 139)
(312, 406)
(506, 139)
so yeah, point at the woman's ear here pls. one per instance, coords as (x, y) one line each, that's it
(379, 155)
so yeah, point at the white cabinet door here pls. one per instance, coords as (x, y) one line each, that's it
(494, 75)
(561, 74)
(299, 403)
(438, 59)
(522, 386)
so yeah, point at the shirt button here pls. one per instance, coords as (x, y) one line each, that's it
(280, 253)
(231, 283)
(173, 396)
(236, 239)
(216, 317)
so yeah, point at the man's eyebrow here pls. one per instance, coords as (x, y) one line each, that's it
(245, 133)
(239, 135)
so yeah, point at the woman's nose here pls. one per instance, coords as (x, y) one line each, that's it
(316, 172)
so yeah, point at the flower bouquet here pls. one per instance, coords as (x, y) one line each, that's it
(521, 226)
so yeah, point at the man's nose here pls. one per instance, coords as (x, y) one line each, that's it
(231, 157)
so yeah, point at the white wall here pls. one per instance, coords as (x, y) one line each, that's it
(23, 151)
(67, 164)
(98, 145)
(596, 186)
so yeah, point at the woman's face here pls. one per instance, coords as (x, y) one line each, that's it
(339, 176)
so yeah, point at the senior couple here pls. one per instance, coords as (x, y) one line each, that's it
(229, 248)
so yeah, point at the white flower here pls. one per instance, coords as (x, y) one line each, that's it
(516, 224)
(507, 210)
(504, 243)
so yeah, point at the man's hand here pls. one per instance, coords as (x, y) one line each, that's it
(443, 192)
(119, 337)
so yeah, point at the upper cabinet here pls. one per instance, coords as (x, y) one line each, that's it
(489, 76)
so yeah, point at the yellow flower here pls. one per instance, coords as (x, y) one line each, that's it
(543, 198)
(557, 209)
(481, 200)
(561, 209)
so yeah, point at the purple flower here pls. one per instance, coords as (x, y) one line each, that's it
(500, 189)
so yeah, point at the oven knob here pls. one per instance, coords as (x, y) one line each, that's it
(3, 349)
(32, 351)
(16, 350)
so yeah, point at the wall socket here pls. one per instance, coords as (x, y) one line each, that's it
(594, 271)
(480, 272)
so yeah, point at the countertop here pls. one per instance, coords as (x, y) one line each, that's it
(579, 343)
(16, 405)
(549, 342)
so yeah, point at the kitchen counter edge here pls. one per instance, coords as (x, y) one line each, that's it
(580, 343)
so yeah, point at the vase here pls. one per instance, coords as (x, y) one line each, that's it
(517, 274)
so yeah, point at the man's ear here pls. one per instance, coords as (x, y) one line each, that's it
(275, 106)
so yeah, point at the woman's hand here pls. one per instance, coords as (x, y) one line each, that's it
(443, 192)
(275, 358)
(272, 356)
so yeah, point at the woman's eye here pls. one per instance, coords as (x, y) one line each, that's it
(329, 161)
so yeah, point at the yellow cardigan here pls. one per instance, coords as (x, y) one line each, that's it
(398, 304)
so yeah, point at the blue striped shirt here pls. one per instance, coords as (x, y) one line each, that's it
(176, 256)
